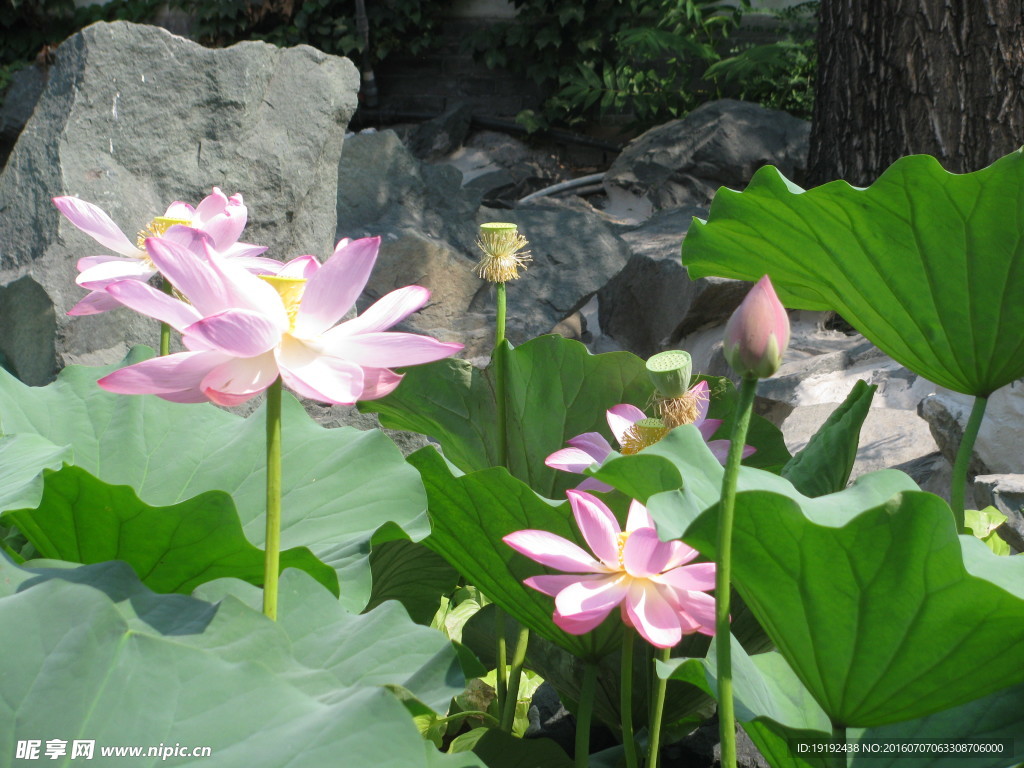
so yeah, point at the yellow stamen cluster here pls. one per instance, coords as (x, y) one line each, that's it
(290, 289)
(621, 546)
(502, 246)
(643, 434)
(675, 411)
(156, 228)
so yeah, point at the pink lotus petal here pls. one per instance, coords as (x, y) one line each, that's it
(179, 210)
(578, 625)
(220, 218)
(551, 585)
(93, 304)
(99, 276)
(384, 349)
(553, 551)
(708, 427)
(163, 375)
(96, 224)
(189, 273)
(237, 332)
(680, 554)
(701, 608)
(592, 597)
(598, 525)
(699, 391)
(570, 460)
(239, 379)
(389, 310)
(379, 382)
(638, 517)
(593, 484)
(303, 267)
(245, 251)
(644, 554)
(317, 376)
(720, 450)
(622, 417)
(86, 262)
(333, 290)
(654, 617)
(594, 444)
(256, 264)
(244, 290)
(147, 300)
(690, 578)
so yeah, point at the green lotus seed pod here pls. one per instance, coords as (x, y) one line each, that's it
(670, 372)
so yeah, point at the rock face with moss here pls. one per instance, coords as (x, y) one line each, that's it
(133, 118)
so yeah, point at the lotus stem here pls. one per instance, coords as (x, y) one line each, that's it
(501, 660)
(626, 698)
(583, 715)
(508, 715)
(958, 482)
(657, 711)
(837, 759)
(723, 568)
(501, 681)
(272, 555)
(165, 329)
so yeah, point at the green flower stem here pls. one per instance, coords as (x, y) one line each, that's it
(500, 405)
(958, 483)
(501, 663)
(508, 715)
(657, 710)
(165, 329)
(272, 556)
(626, 698)
(723, 567)
(584, 713)
(837, 759)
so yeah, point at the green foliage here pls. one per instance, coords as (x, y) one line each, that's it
(342, 488)
(926, 264)
(96, 655)
(779, 74)
(644, 58)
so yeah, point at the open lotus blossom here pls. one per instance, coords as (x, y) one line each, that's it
(221, 218)
(633, 569)
(242, 331)
(592, 448)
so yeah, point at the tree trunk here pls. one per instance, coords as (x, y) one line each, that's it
(900, 77)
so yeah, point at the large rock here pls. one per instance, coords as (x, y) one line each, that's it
(429, 223)
(1005, 493)
(720, 143)
(132, 118)
(18, 101)
(998, 446)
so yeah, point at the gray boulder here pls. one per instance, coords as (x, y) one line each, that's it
(132, 118)
(18, 101)
(720, 143)
(428, 223)
(1005, 493)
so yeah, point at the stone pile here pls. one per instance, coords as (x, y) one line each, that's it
(131, 117)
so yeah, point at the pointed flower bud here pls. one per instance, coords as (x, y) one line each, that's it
(757, 333)
(503, 253)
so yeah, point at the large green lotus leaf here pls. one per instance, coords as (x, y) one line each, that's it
(339, 485)
(824, 464)
(413, 574)
(556, 390)
(94, 655)
(22, 457)
(927, 264)
(172, 549)
(679, 477)
(775, 710)
(883, 613)
(470, 514)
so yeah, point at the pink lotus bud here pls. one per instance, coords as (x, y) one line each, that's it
(757, 333)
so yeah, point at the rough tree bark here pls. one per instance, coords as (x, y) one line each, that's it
(899, 77)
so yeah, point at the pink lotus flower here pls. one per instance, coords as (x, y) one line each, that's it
(243, 331)
(757, 333)
(646, 577)
(221, 218)
(592, 448)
